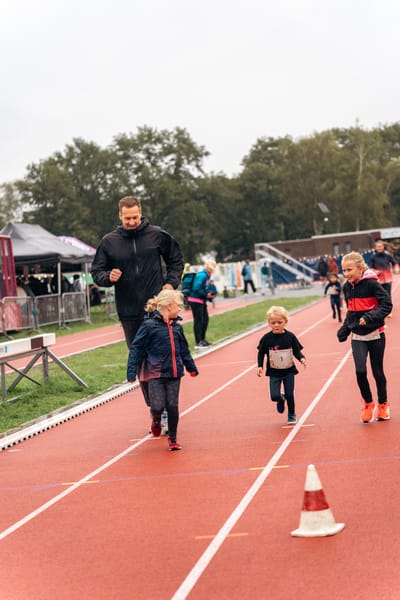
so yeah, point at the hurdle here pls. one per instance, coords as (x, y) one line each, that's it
(37, 347)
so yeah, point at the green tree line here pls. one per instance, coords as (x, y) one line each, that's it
(330, 182)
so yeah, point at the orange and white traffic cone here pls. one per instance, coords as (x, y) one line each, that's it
(316, 519)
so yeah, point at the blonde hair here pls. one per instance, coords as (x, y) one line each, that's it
(356, 258)
(210, 265)
(162, 300)
(277, 311)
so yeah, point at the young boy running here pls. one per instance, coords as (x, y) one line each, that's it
(280, 347)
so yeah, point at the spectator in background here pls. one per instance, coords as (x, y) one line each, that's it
(26, 286)
(66, 286)
(212, 292)
(322, 269)
(21, 292)
(186, 269)
(76, 284)
(198, 297)
(266, 276)
(332, 265)
(247, 276)
(95, 298)
(382, 263)
(35, 285)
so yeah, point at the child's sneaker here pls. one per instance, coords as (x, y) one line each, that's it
(280, 405)
(383, 412)
(173, 444)
(156, 428)
(367, 412)
(291, 419)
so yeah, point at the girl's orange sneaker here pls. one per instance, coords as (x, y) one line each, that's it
(367, 412)
(383, 412)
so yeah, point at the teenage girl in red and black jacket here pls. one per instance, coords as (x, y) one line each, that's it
(367, 306)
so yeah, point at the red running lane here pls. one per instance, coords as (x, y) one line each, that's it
(156, 524)
(76, 343)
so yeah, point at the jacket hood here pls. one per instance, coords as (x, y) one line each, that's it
(144, 222)
(369, 274)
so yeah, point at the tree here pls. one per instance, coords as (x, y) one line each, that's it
(220, 230)
(11, 207)
(311, 186)
(74, 192)
(364, 177)
(163, 168)
(281, 193)
(260, 187)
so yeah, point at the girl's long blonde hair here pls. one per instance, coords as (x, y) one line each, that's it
(356, 258)
(162, 300)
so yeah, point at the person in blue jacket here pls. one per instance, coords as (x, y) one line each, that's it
(197, 300)
(247, 276)
(159, 354)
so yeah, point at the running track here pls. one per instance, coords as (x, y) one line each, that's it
(95, 509)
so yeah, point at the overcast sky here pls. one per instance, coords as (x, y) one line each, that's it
(229, 71)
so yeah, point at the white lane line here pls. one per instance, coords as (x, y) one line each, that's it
(75, 486)
(93, 474)
(198, 569)
(18, 524)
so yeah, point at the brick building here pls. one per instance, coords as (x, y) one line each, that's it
(336, 244)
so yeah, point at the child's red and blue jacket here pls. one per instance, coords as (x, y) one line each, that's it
(159, 349)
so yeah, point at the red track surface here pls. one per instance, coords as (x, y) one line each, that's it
(96, 510)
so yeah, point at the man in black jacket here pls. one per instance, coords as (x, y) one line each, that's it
(130, 259)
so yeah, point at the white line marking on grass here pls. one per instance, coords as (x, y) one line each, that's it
(199, 568)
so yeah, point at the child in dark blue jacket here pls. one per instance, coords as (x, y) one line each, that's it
(334, 290)
(160, 353)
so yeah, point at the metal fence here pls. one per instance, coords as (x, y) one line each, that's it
(27, 313)
(17, 313)
(47, 310)
(74, 307)
(109, 303)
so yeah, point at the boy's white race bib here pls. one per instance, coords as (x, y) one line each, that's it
(281, 359)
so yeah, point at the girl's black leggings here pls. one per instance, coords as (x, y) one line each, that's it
(376, 350)
(164, 393)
